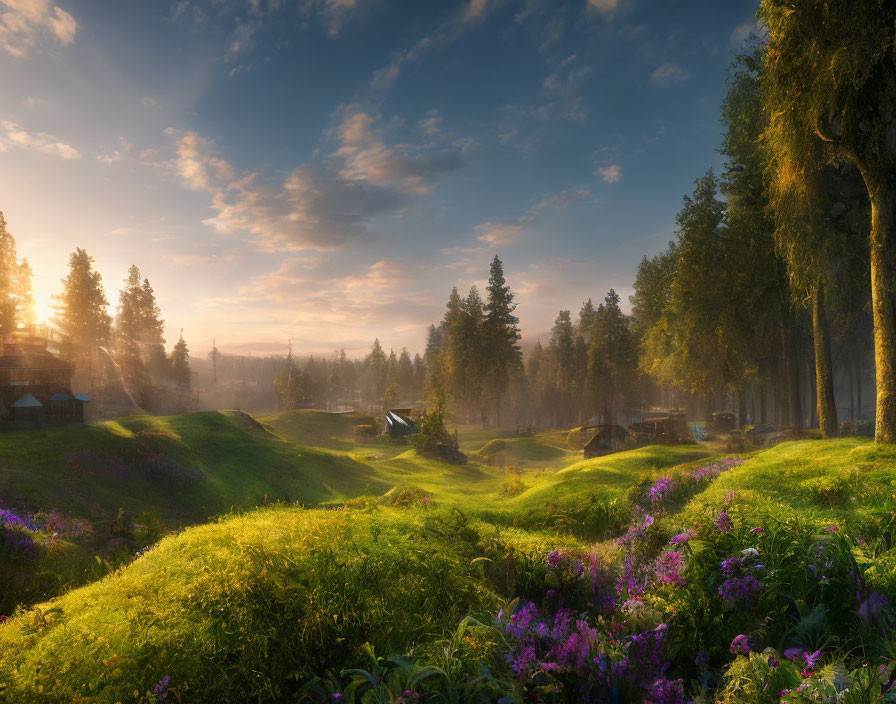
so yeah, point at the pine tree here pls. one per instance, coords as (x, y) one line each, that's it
(180, 364)
(501, 336)
(215, 356)
(376, 372)
(81, 312)
(612, 357)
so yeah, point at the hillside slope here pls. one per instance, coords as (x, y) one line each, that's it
(182, 468)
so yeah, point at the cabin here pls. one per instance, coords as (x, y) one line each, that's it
(667, 430)
(398, 423)
(35, 384)
(722, 422)
(608, 438)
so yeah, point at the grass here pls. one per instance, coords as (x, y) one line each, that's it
(272, 596)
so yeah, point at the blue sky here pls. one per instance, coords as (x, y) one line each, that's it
(325, 170)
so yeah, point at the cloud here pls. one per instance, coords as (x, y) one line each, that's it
(450, 31)
(562, 94)
(605, 7)
(14, 136)
(507, 232)
(322, 206)
(668, 73)
(23, 22)
(610, 174)
(367, 157)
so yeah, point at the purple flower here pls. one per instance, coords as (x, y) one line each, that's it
(664, 691)
(773, 661)
(683, 537)
(744, 590)
(161, 690)
(553, 558)
(757, 530)
(832, 528)
(723, 522)
(702, 661)
(731, 566)
(811, 659)
(667, 567)
(794, 653)
(337, 697)
(660, 491)
(740, 644)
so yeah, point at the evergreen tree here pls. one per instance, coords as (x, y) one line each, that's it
(569, 354)
(376, 373)
(612, 357)
(404, 375)
(180, 364)
(81, 312)
(501, 336)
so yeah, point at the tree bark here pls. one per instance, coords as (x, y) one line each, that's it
(824, 373)
(794, 408)
(883, 291)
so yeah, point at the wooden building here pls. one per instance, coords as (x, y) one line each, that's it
(35, 384)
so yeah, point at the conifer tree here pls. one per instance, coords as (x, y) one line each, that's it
(180, 364)
(501, 336)
(81, 314)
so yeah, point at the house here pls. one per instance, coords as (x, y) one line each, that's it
(669, 430)
(398, 423)
(608, 438)
(35, 384)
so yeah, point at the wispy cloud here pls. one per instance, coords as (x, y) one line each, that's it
(321, 206)
(23, 22)
(610, 174)
(605, 7)
(668, 73)
(12, 136)
(508, 231)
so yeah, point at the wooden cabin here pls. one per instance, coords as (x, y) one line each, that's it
(35, 384)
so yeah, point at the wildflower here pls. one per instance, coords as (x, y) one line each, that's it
(337, 698)
(664, 691)
(729, 497)
(553, 558)
(740, 644)
(757, 530)
(409, 695)
(832, 528)
(667, 567)
(426, 500)
(739, 590)
(161, 689)
(731, 566)
(702, 661)
(661, 490)
(861, 542)
(683, 537)
(812, 659)
(773, 661)
(723, 522)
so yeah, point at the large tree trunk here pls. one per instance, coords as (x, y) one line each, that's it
(793, 415)
(824, 373)
(883, 297)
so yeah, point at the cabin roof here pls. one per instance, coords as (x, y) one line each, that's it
(27, 401)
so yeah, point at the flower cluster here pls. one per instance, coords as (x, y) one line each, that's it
(661, 491)
(741, 586)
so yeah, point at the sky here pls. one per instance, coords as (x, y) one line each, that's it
(324, 171)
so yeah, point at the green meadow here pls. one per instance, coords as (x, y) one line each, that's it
(288, 547)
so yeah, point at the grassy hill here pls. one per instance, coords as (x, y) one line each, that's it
(181, 468)
(251, 605)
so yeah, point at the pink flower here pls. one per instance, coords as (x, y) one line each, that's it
(757, 530)
(740, 644)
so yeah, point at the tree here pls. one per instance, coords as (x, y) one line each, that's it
(404, 375)
(569, 356)
(127, 329)
(81, 311)
(830, 75)
(501, 334)
(376, 372)
(215, 356)
(180, 364)
(612, 356)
